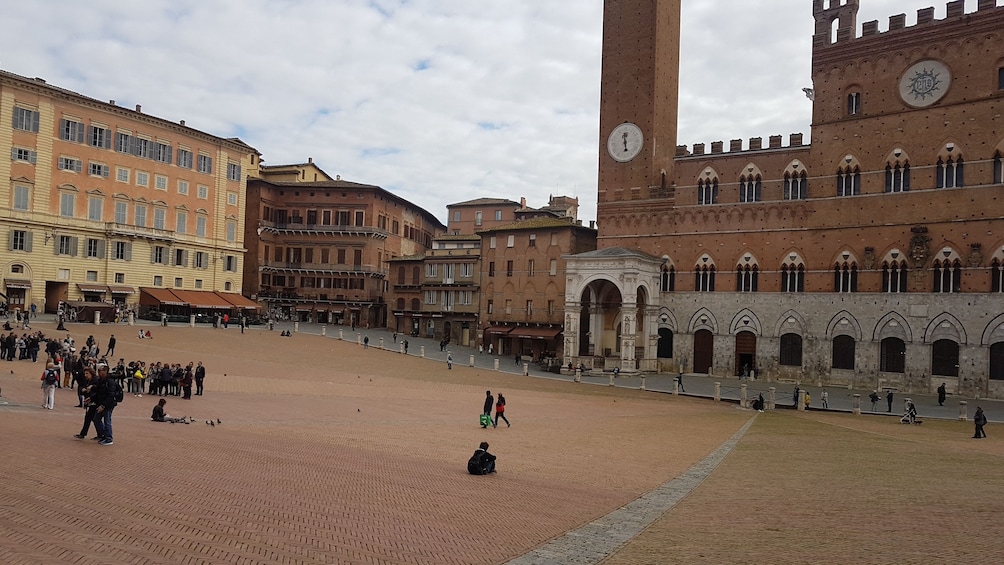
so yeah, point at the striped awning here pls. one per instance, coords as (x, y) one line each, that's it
(98, 288)
(17, 283)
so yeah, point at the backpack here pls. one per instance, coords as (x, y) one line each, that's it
(51, 377)
(474, 464)
(118, 393)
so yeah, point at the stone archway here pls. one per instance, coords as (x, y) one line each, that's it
(704, 351)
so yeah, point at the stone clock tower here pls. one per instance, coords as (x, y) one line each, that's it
(638, 104)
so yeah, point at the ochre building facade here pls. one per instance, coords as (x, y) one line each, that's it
(870, 253)
(101, 201)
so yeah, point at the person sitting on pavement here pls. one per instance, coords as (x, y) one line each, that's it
(482, 462)
(160, 416)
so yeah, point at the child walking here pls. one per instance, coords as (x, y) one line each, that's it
(500, 411)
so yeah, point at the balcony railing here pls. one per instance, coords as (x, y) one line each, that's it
(319, 268)
(297, 228)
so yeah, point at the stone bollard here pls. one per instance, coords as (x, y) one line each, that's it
(421, 351)
(359, 339)
(718, 392)
(611, 380)
(324, 331)
(381, 343)
(963, 410)
(772, 398)
(801, 401)
(578, 375)
(341, 334)
(676, 388)
(742, 396)
(526, 369)
(296, 327)
(132, 319)
(97, 318)
(191, 320)
(642, 387)
(856, 405)
(471, 362)
(400, 348)
(496, 364)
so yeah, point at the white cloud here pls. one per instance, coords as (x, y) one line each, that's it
(437, 100)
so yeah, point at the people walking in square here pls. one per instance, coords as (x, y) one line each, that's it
(449, 360)
(679, 381)
(50, 378)
(500, 411)
(874, 397)
(110, 350)
(888, 399)
(794, 396)
(487, 411)
(366, 342)
(980, 419)
(942, 394)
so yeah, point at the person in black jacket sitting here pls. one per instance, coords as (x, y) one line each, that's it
(482, 462)
(160, 416)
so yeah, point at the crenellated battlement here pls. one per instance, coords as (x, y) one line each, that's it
(736, 146)
(845, 13)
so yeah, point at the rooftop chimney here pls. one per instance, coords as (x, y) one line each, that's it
(182, 122)
(139, 108)
(522, 202)
(310, 160)
(112, 102)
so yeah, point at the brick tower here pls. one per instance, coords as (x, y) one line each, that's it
(639, 95)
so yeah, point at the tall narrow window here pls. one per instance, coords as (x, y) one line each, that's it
(947, 275)
(998, 169)
(792, 277)
(848, 181)
(845, 277)
(795, 186)
(704, 278)
(897, 177)
(1000, 79)
(853, 103)
(667, 279)
(749, 188)
(843, 352)
(707, 191)
(996, 278)
(950, 173)
(746, 278)
(894, 276)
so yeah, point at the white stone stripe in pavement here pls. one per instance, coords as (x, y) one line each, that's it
(599, 539)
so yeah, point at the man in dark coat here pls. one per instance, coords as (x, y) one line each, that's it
(200, 375)
(942, 393)
(489, 403)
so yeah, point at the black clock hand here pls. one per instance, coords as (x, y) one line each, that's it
(625, 136)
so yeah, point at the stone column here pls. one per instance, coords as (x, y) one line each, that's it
(421, 351)
(642, 387)
(772, 398)
(856, 405)
(132, 319)
(742, 396)
(97, 317)
(324, 331)
(963, 410)
(676, 388)
(191, 320)
(296, 327)
(400, 348)
(497, 365)
(718, 392)
(628, 336)
(526, 369)
(381, 343)
(341, 334)
(578, 375)
(571, 334)
(801, 401)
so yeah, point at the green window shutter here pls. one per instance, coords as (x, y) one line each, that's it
(101, 249)
(27, 242)
(128, 251)
(74, 241)
(10, 240)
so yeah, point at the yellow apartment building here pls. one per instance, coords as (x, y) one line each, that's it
(103, 202)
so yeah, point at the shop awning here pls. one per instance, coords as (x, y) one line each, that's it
(535, 333)
(121, 289)
(499, 330)
(99, 288)
(238, 301)
(17, 283)
(304, 307)
(202, 299)
(160, 296)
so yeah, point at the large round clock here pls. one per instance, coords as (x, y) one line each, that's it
(625, 142)
(924, 83)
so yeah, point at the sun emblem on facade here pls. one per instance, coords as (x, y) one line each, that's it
(924, 83)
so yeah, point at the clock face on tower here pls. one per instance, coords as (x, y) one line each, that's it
(625, 142)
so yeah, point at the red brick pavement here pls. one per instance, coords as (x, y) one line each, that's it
(328, 454)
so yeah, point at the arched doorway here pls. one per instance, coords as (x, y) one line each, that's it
(945, 358)
(600, 320)
(745, 351)
(893, 355)
(665, 349)
(704, 351)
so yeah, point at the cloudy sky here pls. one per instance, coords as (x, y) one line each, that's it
(439, 101)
